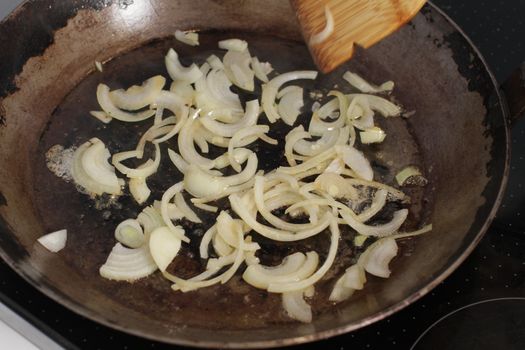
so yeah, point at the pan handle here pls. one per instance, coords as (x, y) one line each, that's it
(514, 89)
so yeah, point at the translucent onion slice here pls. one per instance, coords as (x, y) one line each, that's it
(329, 139)
(354, 277)
(340, 292)
(144, 170)
(372, 135)
(336, 166)
(311, 163)
(261, 70)
(206, 207)
(166, 198)
(239, 154)
(421, 231)
(184, 91)
(175, 104)
(178, 72)
(129, 232)
(290, 104)
(379, 104)
(411, 175)
(318, 125)
(139, 189)
(240, 136)
(215, 62)
(202, 184)
(185, 209)
(270, 90)
(124, 264)
(187, 37)
(54, 241)
(187, 146)
(296, 307)
(188, 285)
(177, 160)
(220, 246)
(378, 202)
(150, 218)
(376, 258)
(237, 68)
(359, 113)
(294, 267)
(336, 186)
(102, 116)
(258, 190)
(164, 245)
(137, 97)
(384, 230)
(92, 171)
(205, 241)
(294, 136)
(229, 129)
(107, 105)
(364, 86)
(272, 233)
(233, 44)
(356, 161)
(305, 283)
(324, 34)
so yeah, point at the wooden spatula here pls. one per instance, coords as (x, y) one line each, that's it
(356, 22)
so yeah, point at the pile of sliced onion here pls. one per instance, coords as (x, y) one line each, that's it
(328, 182)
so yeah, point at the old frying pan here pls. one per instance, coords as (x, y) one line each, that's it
(458, 134)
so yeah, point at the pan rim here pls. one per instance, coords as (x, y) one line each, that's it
(70, 304)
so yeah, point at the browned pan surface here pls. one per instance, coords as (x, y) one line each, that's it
(457, 135)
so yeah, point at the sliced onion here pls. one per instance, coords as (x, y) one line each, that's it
(240, 155)
(206, 207)
(205, 241)
(372, 135)
(310, 163)
(270, 90)
(356, 160)
(220, 246)
(105, 102)
(269, 232)
(166, 198)
(178, 72)
(258, 190)
(144, 170)
(296, 307)
(411, 175)
(379, 104)
(150, 218)
(294, 267)
(129, 232)
(291, 139)
(378, 203)
(175, 104)
(54, 241)
(290, 105)
(92, 171)
(364, 86)
(336, 186)
(302, 284)
(187, 146)
(228, 130)
(318, 126)
(187, 37)
(359, 112)
(215, 62)
(237, 68)
(185, 209)
(137, 97)
(355, 277)
(421, 231)
(261, 70)
(329, 139)
(378, 230)
(102, 116)
(316, 39)
(340, 292)
(376, 258)
(124, 264)
(237, 141)
(233, 44)
(184, 90)
(164, 245)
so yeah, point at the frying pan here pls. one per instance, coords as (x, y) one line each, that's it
(459, 135)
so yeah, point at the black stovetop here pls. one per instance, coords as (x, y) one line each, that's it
(480, 306)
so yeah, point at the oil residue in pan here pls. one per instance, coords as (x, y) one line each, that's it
(91, 223)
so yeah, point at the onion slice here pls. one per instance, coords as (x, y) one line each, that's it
(107, 105)
(384, 230)
(376, 258)
(137, 97)
(296, 307)
(54, 241)
(187, 37)
(324, 34)
(124, 264)
(178, 72)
